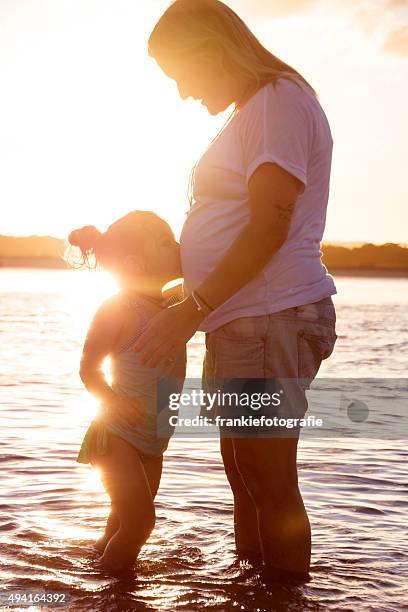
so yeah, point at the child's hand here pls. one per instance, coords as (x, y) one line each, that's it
(129, 409)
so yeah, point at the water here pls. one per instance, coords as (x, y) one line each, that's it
(52, 509)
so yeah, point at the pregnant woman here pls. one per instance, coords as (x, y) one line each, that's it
(250, 252)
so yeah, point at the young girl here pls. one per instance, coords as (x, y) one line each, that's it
(124, 441)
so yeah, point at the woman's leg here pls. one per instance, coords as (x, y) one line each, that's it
(246, 531)
(285, 348)
(125, 480)
(245, 517)
(153, 469)
(268, 468)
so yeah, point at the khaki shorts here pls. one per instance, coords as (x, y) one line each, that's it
(285, 349)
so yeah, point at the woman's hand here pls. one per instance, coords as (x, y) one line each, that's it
(126, 407)
(166, 334)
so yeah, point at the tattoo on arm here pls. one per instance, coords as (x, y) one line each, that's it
(285, 211)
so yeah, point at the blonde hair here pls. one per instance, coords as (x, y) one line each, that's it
(192, 27)
(126, 236)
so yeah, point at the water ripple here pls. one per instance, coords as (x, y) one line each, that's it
(53, 509)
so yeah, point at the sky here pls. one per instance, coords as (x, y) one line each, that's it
(90, 128)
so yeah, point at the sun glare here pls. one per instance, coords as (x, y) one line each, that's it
(109, 133)
(84, 292)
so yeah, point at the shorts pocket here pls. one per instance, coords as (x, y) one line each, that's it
(312, 350)
(238, 357)
(243, 328)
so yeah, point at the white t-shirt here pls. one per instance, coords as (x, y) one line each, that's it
(282, 124)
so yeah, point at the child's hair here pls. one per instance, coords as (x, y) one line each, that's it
(127, 236)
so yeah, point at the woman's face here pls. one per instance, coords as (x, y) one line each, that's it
(203, 79)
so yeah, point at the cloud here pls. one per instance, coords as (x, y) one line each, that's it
(270, 8)
(387, 20)
(265, 8)
(384, 20)
(397, 3)
(396, 41)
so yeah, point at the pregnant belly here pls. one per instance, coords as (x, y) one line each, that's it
(207, 234)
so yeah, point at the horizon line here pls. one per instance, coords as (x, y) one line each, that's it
(350, 243)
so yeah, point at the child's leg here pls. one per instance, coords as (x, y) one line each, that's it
(153, 470)
(125, 480)
(112, 525)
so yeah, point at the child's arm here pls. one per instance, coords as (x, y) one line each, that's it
(101, 339)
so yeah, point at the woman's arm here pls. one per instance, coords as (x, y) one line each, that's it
(273, 193)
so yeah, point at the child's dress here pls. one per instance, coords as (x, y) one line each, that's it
(136, 381)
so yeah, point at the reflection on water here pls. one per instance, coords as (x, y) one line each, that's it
(53, 508)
